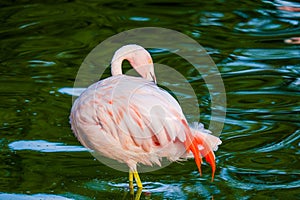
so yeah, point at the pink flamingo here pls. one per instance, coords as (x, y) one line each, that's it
(132, 120)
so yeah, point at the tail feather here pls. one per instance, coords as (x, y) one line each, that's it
(202, 144)
(195, 150)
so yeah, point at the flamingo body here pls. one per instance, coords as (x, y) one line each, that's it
(132, 120)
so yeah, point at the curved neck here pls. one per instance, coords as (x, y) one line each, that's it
(116, 67)
(138, 57)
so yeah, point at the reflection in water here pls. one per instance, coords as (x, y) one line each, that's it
(43, 45)
(154, 189)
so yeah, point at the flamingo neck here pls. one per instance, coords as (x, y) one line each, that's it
(116, 67)
(139, 59)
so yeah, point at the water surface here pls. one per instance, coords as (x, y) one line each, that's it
(43, 44)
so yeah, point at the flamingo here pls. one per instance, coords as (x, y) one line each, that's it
(131, 120)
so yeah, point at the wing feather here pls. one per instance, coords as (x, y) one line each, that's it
(134, 114)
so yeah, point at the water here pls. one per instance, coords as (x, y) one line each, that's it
(43, 44)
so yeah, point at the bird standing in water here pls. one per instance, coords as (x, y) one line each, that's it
(131, 120)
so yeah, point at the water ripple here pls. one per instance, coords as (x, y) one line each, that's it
(10, 196)
(179, 190)
(266, 54)
(275, 102)
(259, 180)
(44, 146)
(283, 143)
(71, 91)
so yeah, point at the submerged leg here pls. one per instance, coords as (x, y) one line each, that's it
(138, 194)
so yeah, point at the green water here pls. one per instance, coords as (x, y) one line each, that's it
(43, 44)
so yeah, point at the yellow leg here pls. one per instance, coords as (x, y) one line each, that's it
(137, 179)
(130, 180)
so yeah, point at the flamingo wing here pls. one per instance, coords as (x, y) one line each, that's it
(130, 112)
(146, 113)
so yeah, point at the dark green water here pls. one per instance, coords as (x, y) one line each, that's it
(43, 44)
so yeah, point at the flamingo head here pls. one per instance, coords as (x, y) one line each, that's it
(138, 57)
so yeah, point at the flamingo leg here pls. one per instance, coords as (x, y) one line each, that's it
(137, 179)
(130, 179)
